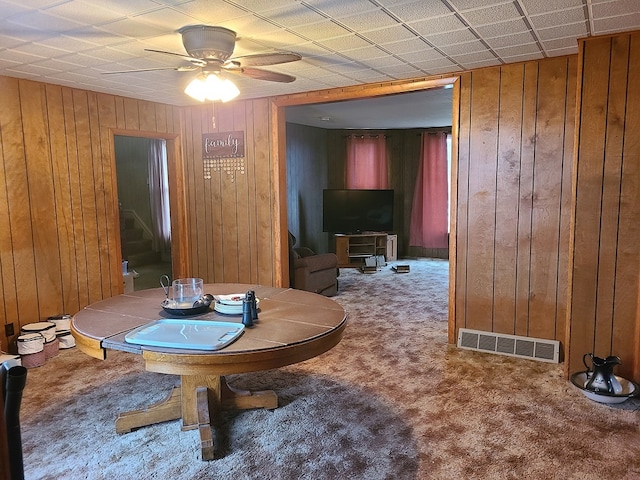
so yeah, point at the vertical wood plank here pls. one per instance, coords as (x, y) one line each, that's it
(244, 238)
(485, 102)
(89, 212)
(462, 212)
(525, 198)
(252, 200)
(547, 188)
(507, 188)
(611, 186)
(107, 121)
(44, 238)
(63, 214)
(265, 227)
(12, 173)
(80, 255)
(591, 148)
(626, 313)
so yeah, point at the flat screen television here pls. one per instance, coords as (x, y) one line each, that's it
(356, 211)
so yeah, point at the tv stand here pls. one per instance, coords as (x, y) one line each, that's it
(352, 249)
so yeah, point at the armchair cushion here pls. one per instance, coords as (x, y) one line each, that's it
(312, 272)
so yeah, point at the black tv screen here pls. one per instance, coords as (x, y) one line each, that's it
(355, 211)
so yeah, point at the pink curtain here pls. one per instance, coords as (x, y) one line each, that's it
(367, 162)
(429, 213)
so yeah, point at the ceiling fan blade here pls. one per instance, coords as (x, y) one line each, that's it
(195, 61)
(263, 59)
(258, 74)
(190, 68)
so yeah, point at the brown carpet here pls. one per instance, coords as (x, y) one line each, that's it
(391, 401)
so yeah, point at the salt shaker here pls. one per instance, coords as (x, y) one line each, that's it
(247, 319)
(251, 295)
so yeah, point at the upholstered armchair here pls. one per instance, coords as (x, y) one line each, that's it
(312, 272)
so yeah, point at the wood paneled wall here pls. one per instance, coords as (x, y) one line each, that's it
(605, 261)
(516, 134)
(59, 231)
(232, 215)
(307, 172)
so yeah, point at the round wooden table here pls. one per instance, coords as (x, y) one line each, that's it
(292, 326)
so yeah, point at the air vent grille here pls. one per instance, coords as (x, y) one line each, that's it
(511, 345)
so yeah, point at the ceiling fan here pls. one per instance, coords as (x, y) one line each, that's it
(209, 49)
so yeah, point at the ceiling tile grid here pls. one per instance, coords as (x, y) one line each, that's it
(82, 43)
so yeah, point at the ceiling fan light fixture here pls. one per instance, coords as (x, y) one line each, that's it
(211, 87)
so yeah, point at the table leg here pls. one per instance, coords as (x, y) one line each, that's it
(163, 411)
(198, 401)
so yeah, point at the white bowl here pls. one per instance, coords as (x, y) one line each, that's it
(629, 389)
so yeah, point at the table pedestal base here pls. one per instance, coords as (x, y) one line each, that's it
(198, 401)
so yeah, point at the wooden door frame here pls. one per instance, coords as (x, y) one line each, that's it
(279, 156)
(177, 196)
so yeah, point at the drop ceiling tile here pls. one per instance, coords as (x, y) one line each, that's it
(310, 50)
(126, 8)
(280, 39)
(418, 9)
(342, 8)
(203, 13)
(8, 9)
(574, 29)
(484, 16)
(421, 56)
(342, 44)
(536, 7)
(6, 63)
(393, 34)
(509, 40)
(562, 51)
(166, 19)
(69, 42)
(617, 8)
(33, 69)
(464, 48)
(616, 24)
(474, 57)
(448, 38)
(368, 21)
(481, 64)
(40, 50)
(82, 12)
(560, 43)
(384, 62)
(523, 58)
(366, 53)
(133, 28)
(43, 22)
(430, 65)
(20, 57)
(293, 15)
(112, 55)
(501, 29)
(444, 70)
(407, 46)
(518, 50)
(321, 30)
(469, 4)
(59, 64)
(431, 26)
(8, 41)
(561, 17)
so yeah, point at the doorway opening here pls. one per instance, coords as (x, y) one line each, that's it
(143, 200)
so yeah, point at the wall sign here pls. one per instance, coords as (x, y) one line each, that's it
(223, 151)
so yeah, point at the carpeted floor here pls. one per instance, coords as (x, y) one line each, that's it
(391, 401)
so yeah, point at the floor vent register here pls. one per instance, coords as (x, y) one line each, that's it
(512, 345)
